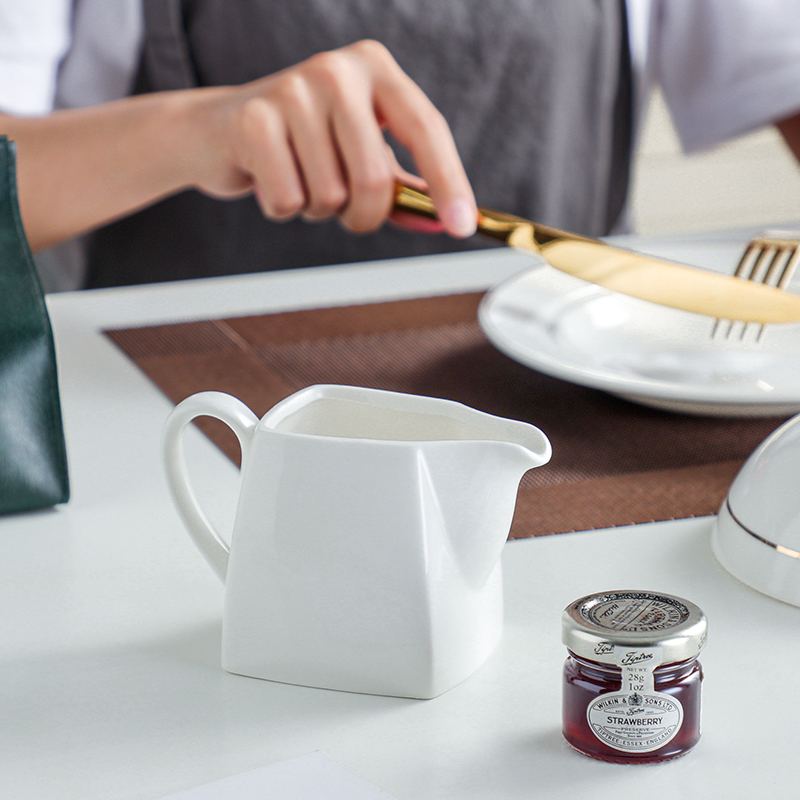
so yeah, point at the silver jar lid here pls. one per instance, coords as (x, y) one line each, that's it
(596, 625)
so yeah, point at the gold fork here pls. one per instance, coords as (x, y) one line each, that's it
(656, 280)
(769, 259)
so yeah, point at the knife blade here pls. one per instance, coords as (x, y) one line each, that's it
(671, 284)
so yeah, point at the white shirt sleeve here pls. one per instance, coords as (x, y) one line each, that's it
(104, 53)
(34, 35)
(725, 67)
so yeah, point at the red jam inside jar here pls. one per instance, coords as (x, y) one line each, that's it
(632, 679)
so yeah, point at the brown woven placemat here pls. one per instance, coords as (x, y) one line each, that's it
(614, 462)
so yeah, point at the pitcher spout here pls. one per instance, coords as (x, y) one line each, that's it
(474, 486)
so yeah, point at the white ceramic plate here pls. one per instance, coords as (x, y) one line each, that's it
(641, 351)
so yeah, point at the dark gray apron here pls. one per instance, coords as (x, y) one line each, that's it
(537, 93)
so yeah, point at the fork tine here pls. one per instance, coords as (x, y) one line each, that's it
(745, 269)
(790, 267)
(740, 327)
(750, 257)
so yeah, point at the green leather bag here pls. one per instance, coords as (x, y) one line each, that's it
(33, 457)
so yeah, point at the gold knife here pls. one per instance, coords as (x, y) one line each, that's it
(664, 282)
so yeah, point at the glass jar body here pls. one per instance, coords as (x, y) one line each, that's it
(585, 681)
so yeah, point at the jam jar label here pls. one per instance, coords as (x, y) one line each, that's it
(635, 722)
(637, 718)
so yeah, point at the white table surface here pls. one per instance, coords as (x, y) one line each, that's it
(110, 682)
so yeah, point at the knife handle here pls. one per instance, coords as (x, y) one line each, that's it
(496, 224)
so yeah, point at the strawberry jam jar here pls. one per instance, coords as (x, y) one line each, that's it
(632, 678)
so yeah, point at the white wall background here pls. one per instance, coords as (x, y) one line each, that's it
(753, 181)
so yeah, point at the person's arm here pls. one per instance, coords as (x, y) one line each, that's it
(307, 141)
(790, 128)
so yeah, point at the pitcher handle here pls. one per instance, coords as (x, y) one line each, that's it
(241, 420)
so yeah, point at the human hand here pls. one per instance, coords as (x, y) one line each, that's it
(309, 141)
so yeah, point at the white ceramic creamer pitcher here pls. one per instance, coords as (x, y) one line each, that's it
(365, 553)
